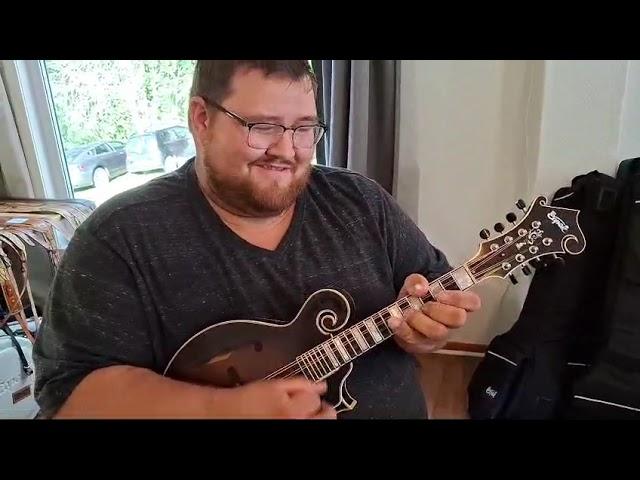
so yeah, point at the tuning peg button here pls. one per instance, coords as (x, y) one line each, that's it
(511, 217)
(513, 279)
(521, 205)
(498, 227)
(484, 233)
(526, 270)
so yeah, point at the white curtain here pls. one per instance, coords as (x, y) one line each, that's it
(15, 179)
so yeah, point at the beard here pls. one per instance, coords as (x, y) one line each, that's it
(240, 195)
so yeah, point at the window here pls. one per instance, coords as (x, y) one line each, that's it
(110, 103)
(167, 136)
(100, 149)
(65, 111)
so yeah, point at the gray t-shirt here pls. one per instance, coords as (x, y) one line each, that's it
(154, 265)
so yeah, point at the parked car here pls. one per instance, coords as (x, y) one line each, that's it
(165, 149)
(95, 164)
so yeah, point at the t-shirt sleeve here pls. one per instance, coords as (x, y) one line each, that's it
(408, 248)
(93, 319)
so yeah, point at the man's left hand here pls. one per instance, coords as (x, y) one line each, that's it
(427, 329)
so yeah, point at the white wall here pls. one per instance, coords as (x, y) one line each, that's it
(474, 136)
(581, 121)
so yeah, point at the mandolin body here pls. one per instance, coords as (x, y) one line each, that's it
(237, 352)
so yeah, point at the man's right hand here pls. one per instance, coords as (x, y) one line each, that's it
(124, 392)
(283, 398)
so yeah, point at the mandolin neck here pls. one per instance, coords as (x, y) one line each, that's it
(326, 358)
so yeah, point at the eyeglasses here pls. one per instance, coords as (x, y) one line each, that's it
(262, 135)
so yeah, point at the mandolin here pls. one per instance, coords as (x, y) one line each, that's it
(316, 343)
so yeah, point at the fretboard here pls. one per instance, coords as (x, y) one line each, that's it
(329, 356)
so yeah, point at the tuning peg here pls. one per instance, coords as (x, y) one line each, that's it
(526, 270)
(536, 263)
(511, 217)
(513, 279)
(498, 227)
(484, 233)
(558, 260)
(521, 205)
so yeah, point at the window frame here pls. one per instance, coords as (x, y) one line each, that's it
(27, 88)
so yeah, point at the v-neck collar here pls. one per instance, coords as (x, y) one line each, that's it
(214, 224)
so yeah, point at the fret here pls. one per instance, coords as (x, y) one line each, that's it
(364, 331)
(395, 311)
(415, 302)
(303, 366)
(350, 343)
(462, 278)
(371, 326)
(404, 304)
(383, 327)
(317, 363)
(445, 282)
(450, 284)
(311, 368)
(327, 348)
(435, 288)
(360, 339)
(323, 359)
(336, 351)
(318, 359)
(343, 353)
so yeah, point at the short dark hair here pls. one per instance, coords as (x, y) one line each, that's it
(212, 78)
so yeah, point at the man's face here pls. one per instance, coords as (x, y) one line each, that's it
(263, 180)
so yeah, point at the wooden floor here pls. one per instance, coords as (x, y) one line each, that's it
(445, 379)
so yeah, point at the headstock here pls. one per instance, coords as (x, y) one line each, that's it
(544, 231)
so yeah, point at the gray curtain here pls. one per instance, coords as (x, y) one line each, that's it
(358, 101)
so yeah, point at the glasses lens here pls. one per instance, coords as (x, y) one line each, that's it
(264, 135)
(307, 137)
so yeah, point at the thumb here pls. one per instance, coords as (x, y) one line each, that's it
(415, 285)
(301, 384)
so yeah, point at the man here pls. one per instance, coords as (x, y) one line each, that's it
(246, 230)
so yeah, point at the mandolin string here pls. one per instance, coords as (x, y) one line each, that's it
(483, 260)
(333, 370)
(378, 322)
(490, 255)
(482, 272)
(319, 353)
(322, 356)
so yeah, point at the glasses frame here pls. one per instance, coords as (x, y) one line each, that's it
(249, 125)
